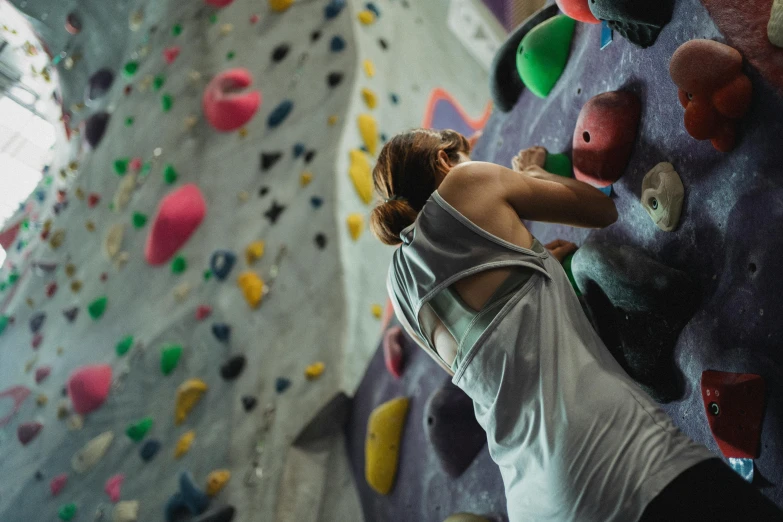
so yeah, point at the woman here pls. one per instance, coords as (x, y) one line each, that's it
(575, 438)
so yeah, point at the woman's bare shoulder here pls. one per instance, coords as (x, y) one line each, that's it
(468, 175)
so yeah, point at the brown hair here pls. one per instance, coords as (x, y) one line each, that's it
(406, 171)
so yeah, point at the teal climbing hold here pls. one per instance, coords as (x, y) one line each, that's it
(97, 307)
(136, 432)
(179, 265)
(543, 53)
(559, 164)
(121, 166)
(3, 323)
(569, 273)
(130, 69)
(169, 358)
(67, 512)
(280, 113)
(124, 345)
(166, 102)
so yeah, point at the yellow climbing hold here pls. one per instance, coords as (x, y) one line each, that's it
(252, 287)
(465, 517)
(332, 119)
(369, 98)
(254, 252)
(355, 225)
(377, 311)
(382, 447)
(280, 5)
(366, 17)
(305, 178)
(315, 370)
(369, 68)
(184, 443)
(361, 175)
(368, 128)
(188, 395)
(216, 481)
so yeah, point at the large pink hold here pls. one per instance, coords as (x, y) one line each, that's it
(89, 386)
(392, 350)
(42, 373)
(225, 108)
(58, 483)
(112, 487)
(179, 215)
(170, 54)
(219, 3)
(27, 431)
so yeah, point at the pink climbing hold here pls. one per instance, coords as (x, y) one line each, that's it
(42, 373)
(179, 215)
(225, 107)
(37, 340)
(113, 486)
(18, 394)
(219, 3)
(27, 431)
(202, 312)
(254, 19)
(170, 54)
(393, 355)
(58, 483)
(89, 386)
(135, 164)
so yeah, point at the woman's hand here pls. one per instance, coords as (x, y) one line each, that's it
(532, 157)
(560, 249)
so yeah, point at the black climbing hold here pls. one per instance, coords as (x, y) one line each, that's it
(64, 391)
(315, 36)
(37, 321)
(95, 128)
(316, 202)
(39, 476)
(372, 7)
(233, 367)
(99, 83)
(333, 8)
(384, 45)
(299, 149)
(363, 148)
(282, 384)
(149, 449)
(320, 240)
(638, 22)
(337, 44)
(268, 159)
(274, 213)
(221, 263)
(221, 331)
(263, 191)
(280, 113)
(309, 156)
(383, 137)
(249, 402)
(280, 52)
(334, 79)
(224, 514)
(394, 98)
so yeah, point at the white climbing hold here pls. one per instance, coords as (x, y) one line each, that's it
(662, 195)
(126, 511)
(182, 291)
(125, 191)
(775, 25)
(113, 240)
(92, 452)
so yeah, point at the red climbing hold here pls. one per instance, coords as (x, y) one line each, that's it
(225, 108)
(58, 483)
(202, 312)
(113, 486)
(18, 394)
(170, 54)
(179, 215)
(51, 289)
(219, 3)
(89, 386)
(734, 403)
(578, 10)
(604, 137)
(713, 90)
(42, 373)
(27, 431)
(93, 199)
(392, 350)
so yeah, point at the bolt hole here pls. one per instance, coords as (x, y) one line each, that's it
(653, 202)
(752, 268)
(579, 90)
(690, 96)
(586, 136)
(430, 420)
(714, 408)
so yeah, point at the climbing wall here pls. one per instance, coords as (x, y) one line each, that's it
(186, 308)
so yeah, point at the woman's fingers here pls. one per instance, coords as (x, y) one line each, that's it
(532, 157)
(561, 249)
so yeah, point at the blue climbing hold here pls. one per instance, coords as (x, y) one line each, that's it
(149, 450)
(606, 190)
(364, 148)
(299, 149)
(282, 384)
(316, 202)
(372, 7)
(196, 500)
(175, 508)
(383, 137)
(337, 44)
(37, 321)
(280, 113)
(394, 98)
(221, 331)
(333, 8)
(40, 195)
(221, 263)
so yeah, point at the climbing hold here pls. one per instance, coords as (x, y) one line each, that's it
(280, 113)
(202, 312)
(452, 428)
(468, 517)
(638, 22)
(305, 178)
(232, 368)
(280, 52)
(309, 156)
(73, 24)
(254, 18)
(157, 83)
(280, 5)
(137, 431)
(219, 3)
(67, 512)
(333, 79)
(332, 119)
(189, 498)
(124, 345)
(37, 321)
(224, 514)
(221, 331)
(176, 30)
(171, 53)
(169, 174)
(112, 243)
(41, 400)
(139, 220)
(149, 449)
(18, 394)
(578, 10)
(274, 212)
(113, 486)
(184, 443)
(97, 307)
(333, 8)
(282, 384)
(713, 90)
(130, 68)
(166, 102)
(543, 54)
(249, 402)
(89, 386)
(377, 310)
(366, 17)
(269, 159)
(369, 68)
(337, 44)
(393, 354)
(775, 25)
(368, 128)
(734, 404)
(169, 358)
(355, 225)
(3, 323)
(217, 480)
(58, 483)
(314, 371)
(382, 447)
(189, 393)
(51, 289)
(179, 214)
(559, 164)
(252, 288)
(27, 431)
(662, 196)
(226, 105)
(71, 314)
(126, 511)
(299, 149)
(93, 199)
(221, 263)
(361, 175)
(178, 265)
(567, 267)
(37, 340)
(121, 166)
(604, 136)
(42, 373)
(99, 84)
(369, 98)
(373, 8)
(95, 128)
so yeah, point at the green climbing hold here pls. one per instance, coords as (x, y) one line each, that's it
(569, 273)
(67, 512)
(169, 358)
(139, 220)
(207, 276)
(111, 205)
(543, 53)
(124, 345)
(13, 277)
(121, 166)
(230, 55)
(176, 30)
(128, 121)
(136, 432)
(145, 169)
(169, 174)
(3, 286)
(158, 82)
(3, 323)
(167, 101)
(97, 307)
(213, 18)
(179, 265)
(48, 180)
(559, 164)
(130, 68)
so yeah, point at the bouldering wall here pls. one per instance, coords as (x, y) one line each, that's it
(192, 242)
